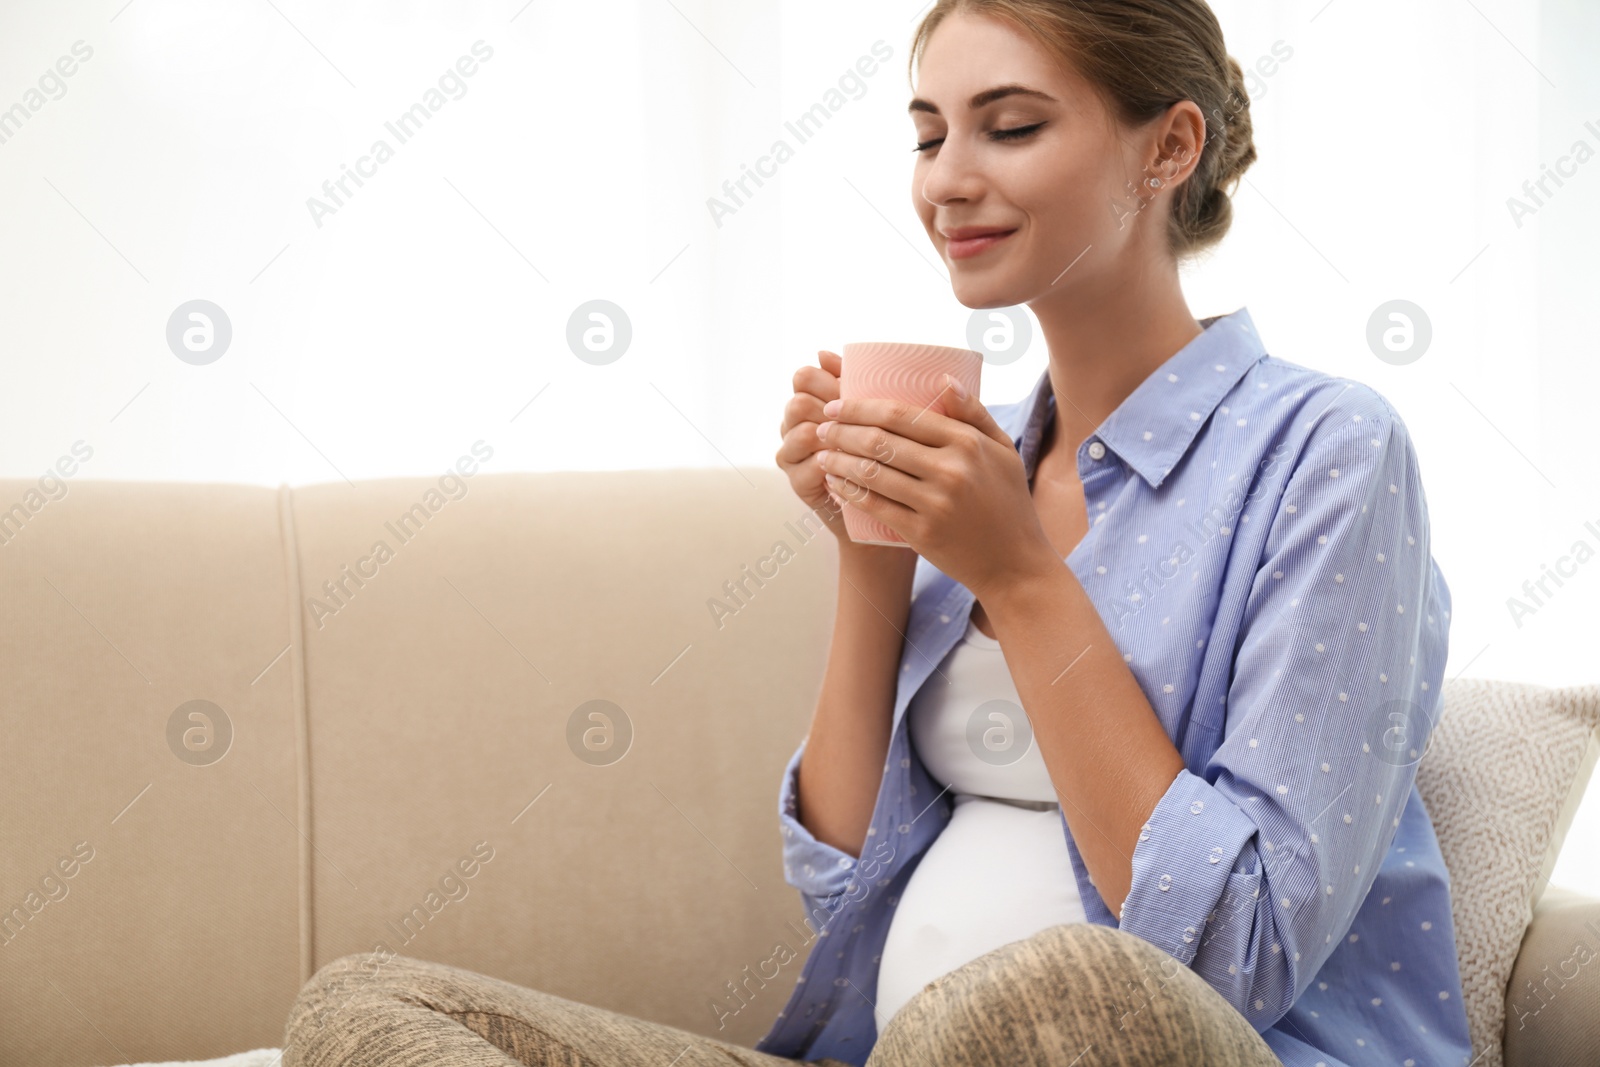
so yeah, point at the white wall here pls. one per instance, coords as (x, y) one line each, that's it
(432, 308)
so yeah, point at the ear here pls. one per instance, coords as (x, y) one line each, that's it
(959, 404)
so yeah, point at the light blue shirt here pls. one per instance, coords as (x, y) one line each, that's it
(1258, 548)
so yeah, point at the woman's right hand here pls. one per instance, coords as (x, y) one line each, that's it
(813, 387)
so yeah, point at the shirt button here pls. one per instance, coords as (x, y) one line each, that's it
(1097, 450)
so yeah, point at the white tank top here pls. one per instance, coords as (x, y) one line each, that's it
(999, 871)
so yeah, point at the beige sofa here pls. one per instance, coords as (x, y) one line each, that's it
(404, 763)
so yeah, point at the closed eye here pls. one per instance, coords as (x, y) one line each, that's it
(1015, 133)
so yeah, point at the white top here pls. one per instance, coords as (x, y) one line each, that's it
(999, 871)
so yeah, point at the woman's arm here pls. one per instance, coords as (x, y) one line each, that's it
(1108, 755)
(1251, 869)
(842, 767)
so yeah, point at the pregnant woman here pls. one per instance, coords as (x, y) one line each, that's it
(1116, 764)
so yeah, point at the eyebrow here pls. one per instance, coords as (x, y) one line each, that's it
(988, 96)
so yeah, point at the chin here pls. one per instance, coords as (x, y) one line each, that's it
(988, 293)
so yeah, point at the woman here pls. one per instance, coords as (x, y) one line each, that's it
(1117, 766)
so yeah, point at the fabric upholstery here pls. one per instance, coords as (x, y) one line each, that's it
(1553, 1003)
(179, 936)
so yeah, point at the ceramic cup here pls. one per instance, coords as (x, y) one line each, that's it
(897, 371)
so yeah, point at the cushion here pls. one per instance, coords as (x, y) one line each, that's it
(1503, 773)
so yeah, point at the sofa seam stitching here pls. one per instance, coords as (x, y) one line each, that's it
(291, 555)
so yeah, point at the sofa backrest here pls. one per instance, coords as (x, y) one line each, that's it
(250, 730)
(412, 700)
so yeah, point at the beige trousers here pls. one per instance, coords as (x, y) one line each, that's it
(1076, 994)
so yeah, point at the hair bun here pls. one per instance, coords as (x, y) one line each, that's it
(1238, 134)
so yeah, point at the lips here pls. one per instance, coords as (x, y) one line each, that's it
(963, 233)
(966, 241)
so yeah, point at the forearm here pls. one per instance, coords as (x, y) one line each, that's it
(842, 766)
(1108, 755)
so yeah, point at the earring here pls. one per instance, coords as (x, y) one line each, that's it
(1155, 183)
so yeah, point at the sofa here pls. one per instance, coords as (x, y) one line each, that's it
(528, 724)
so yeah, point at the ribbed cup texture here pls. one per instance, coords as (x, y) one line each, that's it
(913, 373)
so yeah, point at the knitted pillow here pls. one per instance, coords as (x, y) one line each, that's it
(1503, 774)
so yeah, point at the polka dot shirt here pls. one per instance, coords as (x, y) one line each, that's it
(1258, 548)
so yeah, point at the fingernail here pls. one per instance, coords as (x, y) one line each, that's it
(822, 429)
(831, 408)
(959, 389)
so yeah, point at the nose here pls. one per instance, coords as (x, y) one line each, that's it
(952, 175)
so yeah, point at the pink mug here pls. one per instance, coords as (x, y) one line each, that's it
(889, 370)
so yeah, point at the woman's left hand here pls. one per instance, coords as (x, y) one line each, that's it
(952, 485)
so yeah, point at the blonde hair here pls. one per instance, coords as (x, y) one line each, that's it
(1143, 56)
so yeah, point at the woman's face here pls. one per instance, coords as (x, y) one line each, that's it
(1059, 183)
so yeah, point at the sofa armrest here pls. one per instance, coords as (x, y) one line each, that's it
(1553, 999)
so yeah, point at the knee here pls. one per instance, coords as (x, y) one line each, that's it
(1126, 978)
(346, 974)
(1069, 950)
(336, 999)
(1075, 956)
(1130, 976)
(1064, 988)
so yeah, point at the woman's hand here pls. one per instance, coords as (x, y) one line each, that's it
(813, 387)
(952, 485)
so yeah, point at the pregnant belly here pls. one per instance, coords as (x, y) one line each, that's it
(997, 873)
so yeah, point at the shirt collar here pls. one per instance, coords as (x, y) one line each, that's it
(1155, 424)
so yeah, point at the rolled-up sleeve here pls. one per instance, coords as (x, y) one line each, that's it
(819, 871)
(1252, 871)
